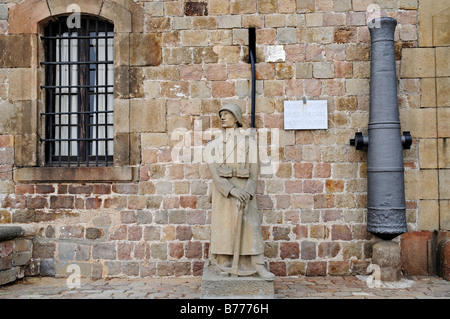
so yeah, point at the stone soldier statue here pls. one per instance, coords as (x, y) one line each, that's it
(233, 162)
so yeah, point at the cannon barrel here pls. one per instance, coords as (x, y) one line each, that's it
(386, 208)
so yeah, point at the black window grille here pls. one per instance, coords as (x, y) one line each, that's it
(79, 91)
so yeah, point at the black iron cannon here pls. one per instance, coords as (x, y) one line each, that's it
(386, 209)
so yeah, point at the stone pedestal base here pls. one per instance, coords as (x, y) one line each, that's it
(386, 254)
(444, 259)
(218, 285)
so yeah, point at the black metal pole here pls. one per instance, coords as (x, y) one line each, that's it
(252, 54)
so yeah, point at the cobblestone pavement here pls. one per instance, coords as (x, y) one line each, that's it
(348, 287)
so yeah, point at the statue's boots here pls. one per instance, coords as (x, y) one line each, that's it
(260, 266)
(224, 260)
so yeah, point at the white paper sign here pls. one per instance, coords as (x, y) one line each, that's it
(312, 115)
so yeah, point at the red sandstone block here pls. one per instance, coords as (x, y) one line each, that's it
(283, 201)
(312, 186)
(293, 186)
(24, 189)
(45, 189)
(188, 201)
(6, 248)
(341, 232)
(152, 233)
(444, 259)
(191, 72)
(278, 268)
(176, 250)
(265, 232)
(322, 170)
(62, 189)
(164, 155)
(197, 268)
(15, 202)
(197, 217)
(171, 202)
(308, 250)
(37, 202)
(289, 250)
(183, 233)
(182, 269)
(101, 189)
(264, 202)
(280, 233)
(134, 233)
(339, 268)
(165, 269)
(137, 202)
(115, 202)
(120, 233)
(128, 216)
(292, 216)
(300, 231)
(93, 203)
(141, 251)
(6, 141)
(58, 202)
(125, 189)
(194, 250)
(45, 216)
(124, 251)
(316, 268)
(83, 189)
(291, 152)
(223, 89)
(329, 249)
(331, 215)
(414, 252)
(323, 201)
(303, 170)
(79, 203)
(334, 186)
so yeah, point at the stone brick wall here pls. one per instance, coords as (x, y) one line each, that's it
(16, 249)
(176, 63)
(427, 65)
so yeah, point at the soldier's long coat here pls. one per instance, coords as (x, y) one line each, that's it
(224, 207)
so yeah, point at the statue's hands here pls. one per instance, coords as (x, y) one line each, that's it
(241, 195)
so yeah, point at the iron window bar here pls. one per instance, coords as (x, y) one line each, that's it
(77, 37)
(74, 86)
(73, 139)
(79, 109)
(85, 112)
(77, 62)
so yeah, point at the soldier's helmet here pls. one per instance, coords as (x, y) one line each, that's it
(235, 110)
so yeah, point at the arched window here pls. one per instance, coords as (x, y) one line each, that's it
(79, 92)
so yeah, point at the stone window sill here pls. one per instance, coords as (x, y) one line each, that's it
(73, 174)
